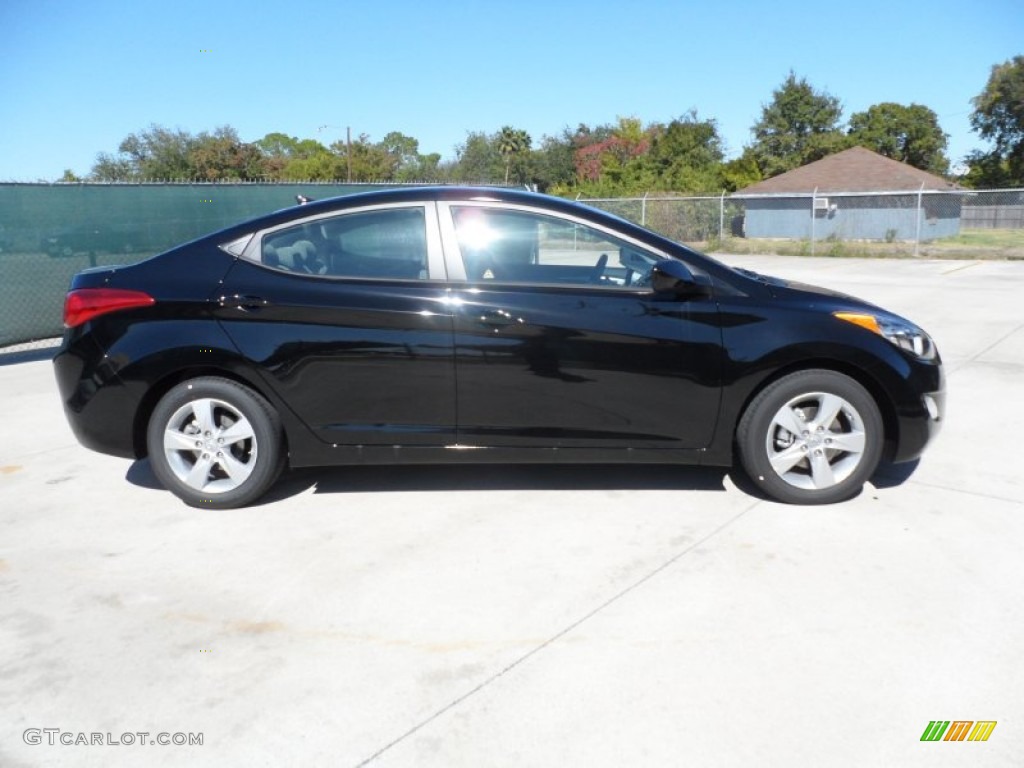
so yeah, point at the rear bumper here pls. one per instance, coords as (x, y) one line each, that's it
(98, 407)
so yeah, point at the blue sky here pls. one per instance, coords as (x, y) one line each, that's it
(77, 77)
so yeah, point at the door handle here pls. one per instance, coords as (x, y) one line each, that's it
(245, 303)
(496, 318)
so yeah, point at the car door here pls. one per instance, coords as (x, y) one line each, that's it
(347, 317)
(559, 341)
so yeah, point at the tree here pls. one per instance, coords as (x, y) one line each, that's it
(396, 157)
(428, 168)
(410, 165)
(223, 155)
(687, 155)
(111, 168)
(554, 163)
(159, 153)
(741, 172)
(477, 159)
(277, 145)
(799, 126)
(280, 151)
(370, 162)
(609, 160)
(998, 117)
(909, 134)
(511, 144)
(322, 166)
(405, 149)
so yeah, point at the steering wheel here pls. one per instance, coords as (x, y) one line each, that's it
(642, 279)
(597, 271)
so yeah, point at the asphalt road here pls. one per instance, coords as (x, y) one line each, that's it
(517, 616)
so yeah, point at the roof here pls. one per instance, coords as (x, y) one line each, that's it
(416, 193)
(852, 170)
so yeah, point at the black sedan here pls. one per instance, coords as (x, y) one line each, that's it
(477, 325)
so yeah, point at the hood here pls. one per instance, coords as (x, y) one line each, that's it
(793, 289)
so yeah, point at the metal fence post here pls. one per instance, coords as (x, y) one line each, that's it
(917, 236)
(814, 200)
(721, 218)
(643, 210)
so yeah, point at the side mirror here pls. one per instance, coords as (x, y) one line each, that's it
(671, 276)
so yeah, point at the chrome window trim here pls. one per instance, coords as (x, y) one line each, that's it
(456, 265)
(436, 270)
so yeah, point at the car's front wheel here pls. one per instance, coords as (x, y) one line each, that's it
(812, 437)
(215, 443)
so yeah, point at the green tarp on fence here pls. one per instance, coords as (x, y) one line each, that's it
(48, 232)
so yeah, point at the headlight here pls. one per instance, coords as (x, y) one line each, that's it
(903, 334)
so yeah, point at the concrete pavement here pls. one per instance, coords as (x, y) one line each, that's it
(540, 616)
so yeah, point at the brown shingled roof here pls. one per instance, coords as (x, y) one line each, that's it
(852, 170)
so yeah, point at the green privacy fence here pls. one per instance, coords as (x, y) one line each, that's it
(48, 232)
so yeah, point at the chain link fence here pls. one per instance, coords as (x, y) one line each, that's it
(48, 232)
(972, 224)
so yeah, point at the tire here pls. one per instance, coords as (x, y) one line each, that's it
(797, 456)
(215, 443)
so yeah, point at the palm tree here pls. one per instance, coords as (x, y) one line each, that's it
(511, 142)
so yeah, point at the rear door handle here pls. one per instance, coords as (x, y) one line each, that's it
(245, 303)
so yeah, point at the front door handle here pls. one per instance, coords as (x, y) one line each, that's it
(496, 318)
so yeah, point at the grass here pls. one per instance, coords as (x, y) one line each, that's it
(969, 244)
(985, 238)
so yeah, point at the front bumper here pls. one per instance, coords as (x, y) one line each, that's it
(921, 422)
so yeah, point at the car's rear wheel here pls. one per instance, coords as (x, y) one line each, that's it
(215, 443)
(812, 437)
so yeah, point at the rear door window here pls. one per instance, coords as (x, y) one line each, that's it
(384, 244)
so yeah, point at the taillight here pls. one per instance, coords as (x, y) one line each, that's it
(84, 304)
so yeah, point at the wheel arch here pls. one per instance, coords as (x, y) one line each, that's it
(164, 385)
(886, 406)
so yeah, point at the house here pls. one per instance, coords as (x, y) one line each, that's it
(856, 194)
